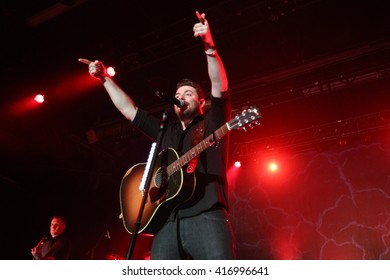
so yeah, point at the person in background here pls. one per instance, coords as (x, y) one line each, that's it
(58, 247)
(200, 228)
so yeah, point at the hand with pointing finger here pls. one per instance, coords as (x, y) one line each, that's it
(202, 29)
(96, 68)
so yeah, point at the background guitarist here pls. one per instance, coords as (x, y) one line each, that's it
(58, 247)
(200, 228)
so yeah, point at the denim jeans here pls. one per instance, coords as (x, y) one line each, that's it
(207, 236)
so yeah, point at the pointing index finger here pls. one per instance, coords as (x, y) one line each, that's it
(200, 18)
(85, 61)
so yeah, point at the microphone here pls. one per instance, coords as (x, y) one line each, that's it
(179, 103)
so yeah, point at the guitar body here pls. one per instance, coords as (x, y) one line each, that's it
(165, 193)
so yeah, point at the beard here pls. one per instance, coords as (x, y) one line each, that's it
(187, 113)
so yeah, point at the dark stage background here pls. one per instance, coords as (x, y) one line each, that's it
(317, 69)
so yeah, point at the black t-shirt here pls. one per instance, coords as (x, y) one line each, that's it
(211, 183)
(58, 247)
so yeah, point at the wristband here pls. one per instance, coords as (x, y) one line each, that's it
(213, 52)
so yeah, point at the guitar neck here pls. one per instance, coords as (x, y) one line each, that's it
(200, 147)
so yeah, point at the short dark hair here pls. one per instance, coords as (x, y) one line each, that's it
(195, 85)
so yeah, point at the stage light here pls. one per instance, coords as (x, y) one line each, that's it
(39, 98)
(111, 71)
(273, 167)
(237, 164)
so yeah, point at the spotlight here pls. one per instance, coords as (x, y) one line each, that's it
(111, 71)
(39, 98)
(273, 167)
(237, 164)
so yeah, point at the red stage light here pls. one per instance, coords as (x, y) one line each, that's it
(237, 164)
(39, 98)
(273, 166)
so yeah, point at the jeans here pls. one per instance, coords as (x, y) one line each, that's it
(207, 236)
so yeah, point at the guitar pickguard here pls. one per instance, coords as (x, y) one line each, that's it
(158, 192)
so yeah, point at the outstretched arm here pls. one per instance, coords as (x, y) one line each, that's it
(121, 100)
(216, 69)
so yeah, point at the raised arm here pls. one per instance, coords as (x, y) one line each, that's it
(216, 69)
(121, 99)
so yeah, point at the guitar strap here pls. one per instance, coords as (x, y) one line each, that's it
(197, 136)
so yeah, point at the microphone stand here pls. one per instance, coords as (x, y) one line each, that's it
(137, 225)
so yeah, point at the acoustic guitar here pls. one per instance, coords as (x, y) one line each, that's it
(170, 185)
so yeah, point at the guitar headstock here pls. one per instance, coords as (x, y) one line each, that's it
(245, 118)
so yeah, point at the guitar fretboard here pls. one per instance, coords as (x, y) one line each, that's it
(195, 151)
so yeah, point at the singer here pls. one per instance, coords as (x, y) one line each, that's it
(200, 227)
(58, 247)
